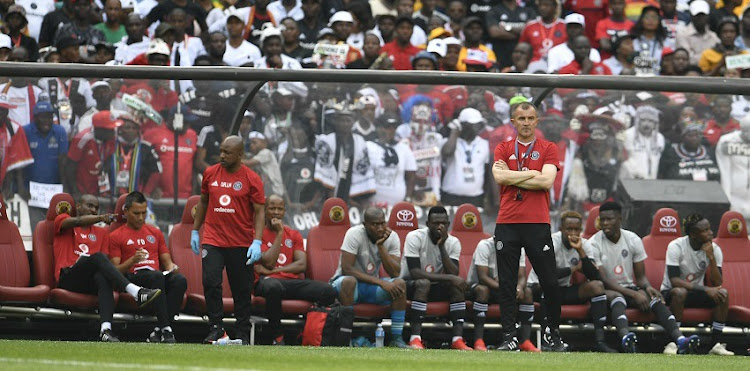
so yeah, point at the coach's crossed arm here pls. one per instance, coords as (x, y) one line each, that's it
(527, 179)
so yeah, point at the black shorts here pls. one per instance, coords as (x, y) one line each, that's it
(568, 295)
(694, 299)
(439, 291)
(494, 298)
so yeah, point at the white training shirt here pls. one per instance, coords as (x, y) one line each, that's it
(419, 245)
(693, 264)
(245, 53)
(464, 178)
(564, 258)
(35, 12)
(485, 256)
(368, 260)
(617, 259)
(390, 171)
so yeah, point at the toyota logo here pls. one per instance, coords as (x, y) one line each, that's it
(405, 215)
(668, 221)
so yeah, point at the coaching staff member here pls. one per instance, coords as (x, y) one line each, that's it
(232, 206)
(525, 168)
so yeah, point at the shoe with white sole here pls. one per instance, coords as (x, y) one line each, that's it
(671, 348)
(720, 349)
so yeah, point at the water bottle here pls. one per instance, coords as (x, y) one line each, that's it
(379, 336)
(227, 341)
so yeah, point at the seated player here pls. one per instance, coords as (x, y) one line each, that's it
(570, 258)
(81, 263)
(691, 261)
(619, 255)
(365, 248)
(430, 268)
(483, 281)
(278, 271)
(139, 251)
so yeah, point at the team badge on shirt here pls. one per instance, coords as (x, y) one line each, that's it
(624, 253)
(150, 239)
(288, 243)
(535, 155)
(237, 185)
(702, 265)
(573, 261)
(92, 237)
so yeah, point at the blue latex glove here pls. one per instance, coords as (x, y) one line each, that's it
(253, 252)
(195, 242)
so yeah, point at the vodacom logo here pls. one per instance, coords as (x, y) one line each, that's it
(225, 200)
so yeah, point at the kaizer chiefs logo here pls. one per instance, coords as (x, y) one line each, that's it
(62, 207)
(469, 220)
(336, 214)
(734, 226)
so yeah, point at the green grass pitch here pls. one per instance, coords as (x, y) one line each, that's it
(49, 355)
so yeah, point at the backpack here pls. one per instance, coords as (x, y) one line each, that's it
(328, 326)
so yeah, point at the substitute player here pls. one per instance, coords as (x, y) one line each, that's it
(232, 207)
(139, 251)
(525, 168)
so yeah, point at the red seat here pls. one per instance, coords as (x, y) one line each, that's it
(190, 264)
(732, 237)
(119, 212)
(324, 240)
(467, 227)
(43, 257)
(14, 266)
(403, 219)
(665, 228)
(592, 223)
(737, 281)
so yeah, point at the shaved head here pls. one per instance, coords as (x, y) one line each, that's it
(274, 198)
(231, 153)
(373, 213)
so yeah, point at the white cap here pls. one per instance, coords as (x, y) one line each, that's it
(340, 16)
(283, 92)
(100, 83)
(158, 46)
(268, 31)
(437, 46)
(452, 41)
(471, 116)
(5, 42)
(256, 135)
(575, 18)
(698, 7)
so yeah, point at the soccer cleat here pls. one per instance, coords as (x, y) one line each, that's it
(398, 342)
(146, 296)
(278, 340)
(215, 333)
(688, 345)
(460, 344)
(670, 348)
(720, 349)
(528, 346)
(602, 347)
(107, 336)
(556, 342)
(416, 343)
(167, 336)
(628, 343)
(479, 345)
(509, 345)
(154, 337)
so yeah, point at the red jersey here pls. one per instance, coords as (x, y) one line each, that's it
(534, 208)
(401, 57)
(124, 241)
(714, 131)
(573, 68)
(14, 149)
(230, 216)
(89, 153)
(593, 11)
(161, 139)
(70, 244)
(291, 242)
(543, 37)
(608, 28)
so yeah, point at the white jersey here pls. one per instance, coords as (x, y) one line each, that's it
(616, 259)
(564, 258)
(245, 53)
(485, 256)
(390, 164)
(276, 8)
(35, 12)
(733, 158)
(693, 264)
(125, 52)
(427, 154)
(368, 260)
(419, 245)
(464, 171)
(644, 154)
(21, 98)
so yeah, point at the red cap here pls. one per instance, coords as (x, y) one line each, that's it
(103, 120)
(666, 51)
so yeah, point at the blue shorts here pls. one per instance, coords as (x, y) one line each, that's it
(366, 293)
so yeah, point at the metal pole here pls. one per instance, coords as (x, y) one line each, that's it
(252, 91)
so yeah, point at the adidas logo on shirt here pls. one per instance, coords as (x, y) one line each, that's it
(546, 248)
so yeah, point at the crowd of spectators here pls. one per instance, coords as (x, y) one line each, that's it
(370, 143)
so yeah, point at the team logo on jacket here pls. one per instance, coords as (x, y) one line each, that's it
(535, 155)
(237, 186)
(336, 214)
(62, 207)
(288, 243)
(624, 253)
(92, 237)
(469, 220)
(150, 239)
(734, 226)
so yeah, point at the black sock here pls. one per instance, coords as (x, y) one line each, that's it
(480, 316)
(599, 315)
(457, 316)
(665, 318)
(525, 316)
(717, 330)
(418, 310)
(619, 319)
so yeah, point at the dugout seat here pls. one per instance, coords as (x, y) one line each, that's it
(190, 264)
(736, 277)
(42, 254)
(119, 212)
(467, 227)
(665, 228)
(403, 219)
(14, 266)
(732, 238)
(592, 223)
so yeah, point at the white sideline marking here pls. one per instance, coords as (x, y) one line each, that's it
(58, 362)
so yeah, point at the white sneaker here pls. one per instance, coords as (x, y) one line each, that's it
(671, 348)
(720, 349)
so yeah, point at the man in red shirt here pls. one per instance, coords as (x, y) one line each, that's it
(545, 32)
(81, 264)
(280, 267)
(139, 251)
(232, 206)
(14, 148)
(400, 50)
(525, 169)
(87, 153)
(581, 64)
(608, 29)
(161, 139)
(722, 123)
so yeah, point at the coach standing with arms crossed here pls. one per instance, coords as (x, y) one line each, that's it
(232, 205)
(525, 168)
